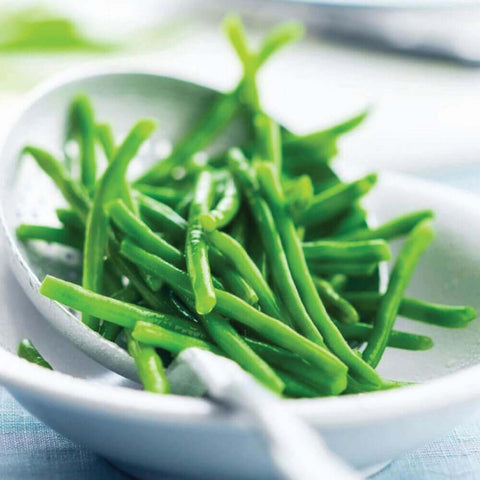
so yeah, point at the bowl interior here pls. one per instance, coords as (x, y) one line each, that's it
(447, 273)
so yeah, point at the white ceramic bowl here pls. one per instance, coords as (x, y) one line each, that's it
(188, 437)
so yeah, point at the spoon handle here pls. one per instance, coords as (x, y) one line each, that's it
(297, 451)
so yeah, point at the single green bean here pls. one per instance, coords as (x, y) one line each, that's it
(285, 361)
(271, 188)
(167, 195)
(372, 251)
(406, 341)
(227, 338)
(225, 210)
(340, 308)
(274, 250)
(138, 231)
(196, 249)
(402, 271)
(167, 339)
(239, 258)
(111, 186)
(329, 203)
(27, 351)
(115, 311)
(104, 134)
(450, 316)
(162, 216)
(269, 145)
(149, 366)
(388, 231)
(70, 219)
(236, 284)
(235, 308)
(81, 126)
(294, 388)
(351, 269)
(61, 236)
(73, 192)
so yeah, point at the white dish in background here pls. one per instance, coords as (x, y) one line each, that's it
(189, 437)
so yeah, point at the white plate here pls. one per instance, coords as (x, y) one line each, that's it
(189, 437)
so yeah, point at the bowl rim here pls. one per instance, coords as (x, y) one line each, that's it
(331, 412)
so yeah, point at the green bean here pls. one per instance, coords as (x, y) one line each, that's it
(274, 250)
(167, 339)
(370, 251)
(294, 388)
(70, 219)
(27, 351)
(271, 188)
(340, 308)
(351, 269)
(406, 341)
(167, 195)
(225, 210)
(235, 308)
(237, 285)
(337, 199)
(49, 235)
(162, 216)
(227, 338)
(318, 139)
(285, 361)
(149, 366)
(73, 192)
(134, 228)
(111, 186)
(205, 129)
(196, 250)
(104, 134)
(407, 259)
(269, 146)
(81, 126)
(128, 294)
(278, 37)
(353, 220)
(388, 231)
(151, 298)
(240, 259)
(115, 311)
(298, 192)
(433, 313)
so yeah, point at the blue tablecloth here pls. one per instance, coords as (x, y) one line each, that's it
(31, 450)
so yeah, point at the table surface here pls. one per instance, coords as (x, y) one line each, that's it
(430, 103)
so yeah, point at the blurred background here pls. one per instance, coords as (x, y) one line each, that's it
(416, 63)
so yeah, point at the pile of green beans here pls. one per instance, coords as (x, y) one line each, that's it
(260, 254)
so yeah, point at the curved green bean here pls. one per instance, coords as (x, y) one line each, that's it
(402, 271)
(72, 191)
(450, 316)
(104, 134)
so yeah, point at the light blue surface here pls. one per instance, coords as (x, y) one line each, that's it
(31, 450)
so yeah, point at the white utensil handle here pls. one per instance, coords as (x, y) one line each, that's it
(296, 449)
